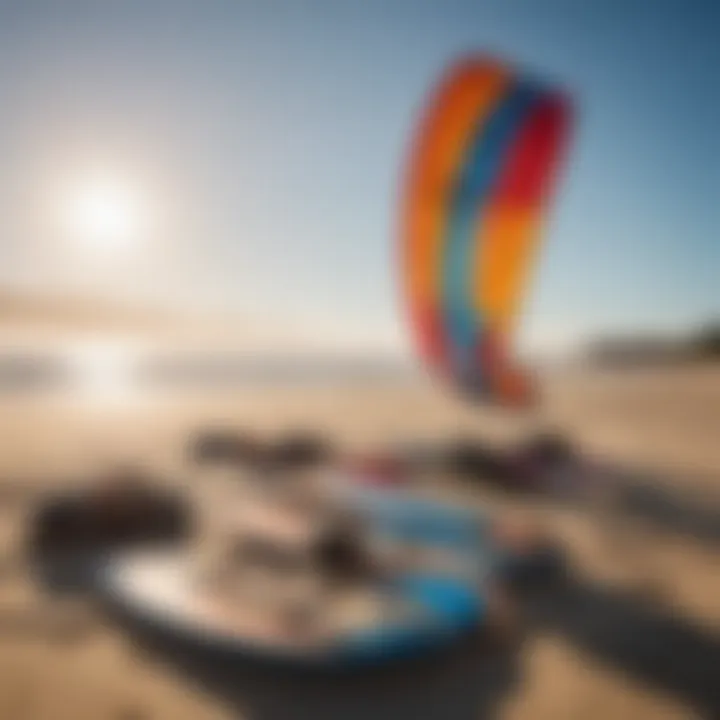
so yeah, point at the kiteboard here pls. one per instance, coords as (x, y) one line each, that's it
(422, 576)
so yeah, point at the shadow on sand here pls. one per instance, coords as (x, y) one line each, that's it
(640, 498)
(648, 643)
(461, 683)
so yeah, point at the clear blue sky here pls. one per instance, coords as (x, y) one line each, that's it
(273, 134)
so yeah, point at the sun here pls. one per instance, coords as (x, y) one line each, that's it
(104, 214)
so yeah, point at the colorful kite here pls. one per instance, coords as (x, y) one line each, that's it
(479, 180)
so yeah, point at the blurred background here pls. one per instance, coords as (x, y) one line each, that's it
(198, 215)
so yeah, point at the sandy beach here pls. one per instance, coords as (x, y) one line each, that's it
(657, 421)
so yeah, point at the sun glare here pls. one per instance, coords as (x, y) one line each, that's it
(104, 215)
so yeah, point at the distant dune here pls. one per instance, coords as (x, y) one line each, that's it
(702, 343)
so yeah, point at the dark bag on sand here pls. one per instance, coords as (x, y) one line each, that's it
(108, 517)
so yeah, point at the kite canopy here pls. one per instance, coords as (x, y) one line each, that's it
(480, 176)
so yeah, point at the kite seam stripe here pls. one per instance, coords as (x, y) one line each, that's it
(488, 150)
